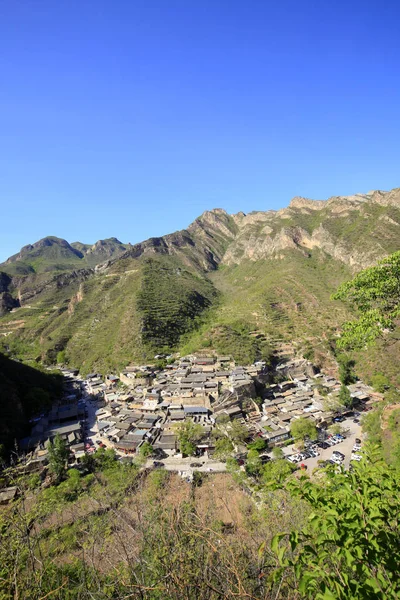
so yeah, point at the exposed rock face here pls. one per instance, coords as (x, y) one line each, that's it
(29, 288)
(319, 224)
(201, 245)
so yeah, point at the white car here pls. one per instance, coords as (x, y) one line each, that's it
(355, 456)
(356, 448)
(294, 458)
(336, 458)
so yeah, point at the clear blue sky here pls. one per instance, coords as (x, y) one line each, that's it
(130, 118)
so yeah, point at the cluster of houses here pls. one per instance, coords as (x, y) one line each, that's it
(145, 403)
(308, 395)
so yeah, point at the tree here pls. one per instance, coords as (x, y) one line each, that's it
(375, 292)
(238, 432)
(345, 398)
(349, 549)
(146, 450)
(380, 382)
(277, 471)
(105, 458)
(346, 370)
(303, 428)
(188, 434)
(253, 463)
(277, 453)
(58, 456)
(223, 447)
(259, 444)
(61, 357)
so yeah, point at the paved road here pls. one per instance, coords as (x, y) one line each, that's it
(183, 464)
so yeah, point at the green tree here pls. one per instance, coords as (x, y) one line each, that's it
(380, 382)
(188, 434)
(223, 447)
(303, 428)
(146, 450)
(259, 444)
(58, 457)
(375, 292)
(349, 549)
(238, 432)
(277, 453)
(346, 370)
(276, 471)
(61, 357)
(345, 398)
(105, 458)
(253, 463)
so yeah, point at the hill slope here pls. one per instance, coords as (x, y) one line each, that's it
(240, 283)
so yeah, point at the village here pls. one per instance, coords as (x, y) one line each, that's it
(147, 404)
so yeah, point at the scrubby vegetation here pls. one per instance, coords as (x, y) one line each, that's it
(124, 533)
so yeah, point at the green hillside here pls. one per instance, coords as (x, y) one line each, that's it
(241, 284)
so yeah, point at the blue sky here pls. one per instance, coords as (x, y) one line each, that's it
(130, 118)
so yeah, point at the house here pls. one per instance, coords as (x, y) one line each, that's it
(127, 446)
(190, 411)
(166, 442)
(275, 437)
(204, 360)
(176, 415)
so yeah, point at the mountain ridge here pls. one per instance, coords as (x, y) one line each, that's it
(220, 279)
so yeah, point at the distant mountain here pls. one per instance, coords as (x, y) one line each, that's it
(101, 251)
(243, 284)
(55, 254)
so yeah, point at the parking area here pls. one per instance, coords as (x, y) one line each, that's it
(345, 446)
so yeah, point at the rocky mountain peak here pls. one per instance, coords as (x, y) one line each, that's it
(300, 202)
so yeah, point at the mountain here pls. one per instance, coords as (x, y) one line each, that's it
(244, 284)
(55, 254)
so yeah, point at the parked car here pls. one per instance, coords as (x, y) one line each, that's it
(157, 463)
(294, 458)
(356, 420)
(314, 453)
(196, 464)
(357, 441)
(338, 454)
(356, 447)
(355, 456)
(324, 445)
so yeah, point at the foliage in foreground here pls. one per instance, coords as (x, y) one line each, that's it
(347, 548)
(375, 292)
